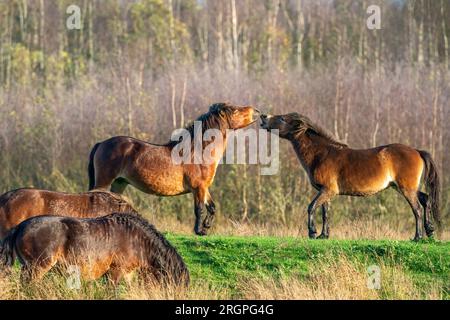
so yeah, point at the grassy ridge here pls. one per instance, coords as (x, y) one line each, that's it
(227, 260)
(238, 267)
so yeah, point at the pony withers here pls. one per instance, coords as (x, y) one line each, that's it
(115, 245)
(119, 161)
(335, 169)
(21, 204)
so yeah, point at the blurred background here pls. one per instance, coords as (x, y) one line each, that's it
(143, 68)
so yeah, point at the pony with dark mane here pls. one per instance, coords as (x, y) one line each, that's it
(116, 245)
(119, 161)
(335, 169)
(21, 204)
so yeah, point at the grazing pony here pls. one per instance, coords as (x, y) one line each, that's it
(335, 169)
(21, 204)
(119, 161)
(117, 245)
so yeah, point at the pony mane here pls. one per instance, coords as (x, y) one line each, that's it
(120, 199)
(217, 117)
(136, 220)
(304, 124)
(163, 250)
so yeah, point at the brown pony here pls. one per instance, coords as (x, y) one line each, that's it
(120, 161)
(21, 204)
(116, 245)
(335, 169)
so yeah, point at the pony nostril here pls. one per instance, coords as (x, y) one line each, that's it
(263, 116)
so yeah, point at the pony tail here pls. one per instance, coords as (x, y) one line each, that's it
(433, 185)
(7, 252)
(91, 167)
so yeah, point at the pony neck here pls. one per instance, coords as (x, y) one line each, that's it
(217, 150)
(307, 147)
(168, 261)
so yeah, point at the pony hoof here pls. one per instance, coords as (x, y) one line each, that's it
(201, 233)
(206, 225)
(312, 235)
(429, 229)
(416, 239)
(323, 236)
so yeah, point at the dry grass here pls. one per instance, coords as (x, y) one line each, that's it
(54, 287)
(375, 229)
(345, 278)
(341, 280)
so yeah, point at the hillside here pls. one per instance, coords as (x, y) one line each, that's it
(237, 267)
(229, 260)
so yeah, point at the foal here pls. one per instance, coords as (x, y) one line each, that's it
(116, 244)
(335, 169)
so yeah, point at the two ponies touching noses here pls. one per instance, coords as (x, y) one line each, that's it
(100, 232)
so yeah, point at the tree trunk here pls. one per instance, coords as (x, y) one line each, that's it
(444, 33)
(171, 29)
(183, 99)
(130, 110)
(42, 35)
(172, 101)
(234, 33)
(90, 37)
(219, 21)
(420, 53)
(272, 13)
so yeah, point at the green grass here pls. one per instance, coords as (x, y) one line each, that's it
(225, 267)
(227, 260)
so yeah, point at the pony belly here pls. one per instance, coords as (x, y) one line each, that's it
(161, 184)
(95, 268)
(366, 186)
(161, 189)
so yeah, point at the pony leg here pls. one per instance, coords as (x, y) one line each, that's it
(199, 204)
(325, 227)
(32, 273)
(119, 185)
(211, 211)
(413, 201)
(423, 199)
(115, 274)
(322, 197)
(26, 274)
(106, 176)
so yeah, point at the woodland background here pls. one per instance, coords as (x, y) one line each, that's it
(143, 68)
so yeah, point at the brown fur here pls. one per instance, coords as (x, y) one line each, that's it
(21, 204)
(335, 169)
(117, 245)
(119, 161)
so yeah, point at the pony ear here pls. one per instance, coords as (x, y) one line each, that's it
(305, 122)
(301, 124)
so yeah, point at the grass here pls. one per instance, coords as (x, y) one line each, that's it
(225, 260)
(264, 267)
